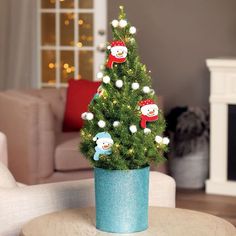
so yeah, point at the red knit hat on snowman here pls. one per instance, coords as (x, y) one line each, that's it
(118, 53)
(149, 112)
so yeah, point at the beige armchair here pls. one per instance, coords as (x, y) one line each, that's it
(20, 203)
(39, 152)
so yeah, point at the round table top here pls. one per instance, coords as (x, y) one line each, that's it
(162, 222)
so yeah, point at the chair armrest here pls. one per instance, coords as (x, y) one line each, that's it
(28, 124)
(21, 204)
(162, 189)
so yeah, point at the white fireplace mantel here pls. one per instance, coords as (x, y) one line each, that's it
(223, 93)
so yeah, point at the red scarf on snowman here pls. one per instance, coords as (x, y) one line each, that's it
(145, 118)
(112, 58)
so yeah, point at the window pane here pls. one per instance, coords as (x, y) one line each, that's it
(85, 23)
(67, 66)
(48, 66)
(48, 3)
(67, 29)
(48, 29)
(85, 3)
(67, 3)
(86, 65)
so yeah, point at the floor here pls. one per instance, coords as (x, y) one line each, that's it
(222, 206)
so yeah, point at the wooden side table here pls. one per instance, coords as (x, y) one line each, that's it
(162, 222)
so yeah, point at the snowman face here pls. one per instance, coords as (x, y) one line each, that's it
(150, 110)
(104, 143)
(119, 51)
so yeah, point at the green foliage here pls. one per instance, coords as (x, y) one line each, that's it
(129, 151)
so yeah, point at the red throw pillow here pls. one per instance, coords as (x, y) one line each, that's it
(79, 94)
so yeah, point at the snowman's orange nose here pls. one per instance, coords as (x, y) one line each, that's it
(151, 112)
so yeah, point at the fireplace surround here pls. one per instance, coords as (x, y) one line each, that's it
(222, 178)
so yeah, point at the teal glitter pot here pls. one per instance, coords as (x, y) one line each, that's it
(122, 200)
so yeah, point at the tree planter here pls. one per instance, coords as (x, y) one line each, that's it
(122, 200)
(191, 170)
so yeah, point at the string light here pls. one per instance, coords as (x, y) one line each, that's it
(68, 70)
(80, 21)
(51, 65)
(79, 44)
(66, 22)
(130, 151)
(66, 65)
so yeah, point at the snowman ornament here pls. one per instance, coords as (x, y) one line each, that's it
(149, 112)
(118, 53)
(104, 143)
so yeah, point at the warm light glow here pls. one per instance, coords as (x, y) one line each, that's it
(51, 81)
(72, 68)
(79, 44)
(66, 22)
(66, 66)
(130, 151)
(68, 70)
(80, 21)
(51, 65)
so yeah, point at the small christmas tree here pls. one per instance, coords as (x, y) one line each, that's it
(123, 126)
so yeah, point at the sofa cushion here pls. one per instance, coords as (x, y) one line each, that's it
(79, 95)
(6, 178)
(56, 99)
(67, 154)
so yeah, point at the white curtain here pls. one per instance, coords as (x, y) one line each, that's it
(18, 43)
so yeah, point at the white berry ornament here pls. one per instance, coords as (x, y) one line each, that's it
(147, 131)
(116, 123)
(166, 141)
(87, 116)
(133, 129)
(101, 123)
(106, 79)
(115, 23)
(158, 139)
(132, 30)
(119, 83)
(135, 86)
(122, 23)
(146, 89)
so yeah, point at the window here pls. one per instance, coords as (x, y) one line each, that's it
(70, 33)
